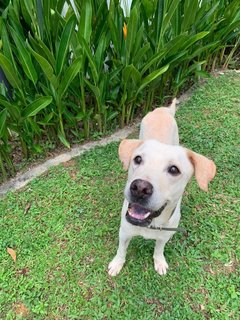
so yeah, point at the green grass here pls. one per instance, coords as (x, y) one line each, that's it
(69, 235)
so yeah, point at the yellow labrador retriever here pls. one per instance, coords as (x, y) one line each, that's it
(158, 172)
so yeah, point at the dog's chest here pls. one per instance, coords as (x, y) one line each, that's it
(154, 234)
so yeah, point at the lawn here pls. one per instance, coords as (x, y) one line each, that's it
(64, 229)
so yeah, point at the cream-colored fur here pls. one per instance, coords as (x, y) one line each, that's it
(160, 125)
(158, 147)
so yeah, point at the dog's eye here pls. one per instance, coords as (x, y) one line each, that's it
(137, 159)
(174, 171)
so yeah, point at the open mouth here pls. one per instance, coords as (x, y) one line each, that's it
(141, 216)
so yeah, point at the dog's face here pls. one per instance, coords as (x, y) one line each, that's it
(157, 176)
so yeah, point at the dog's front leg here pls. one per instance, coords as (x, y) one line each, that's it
(117, 263)
(160, 263)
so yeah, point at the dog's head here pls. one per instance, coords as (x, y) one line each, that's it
(157, 176)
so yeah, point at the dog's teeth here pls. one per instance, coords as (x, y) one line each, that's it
(146, 215)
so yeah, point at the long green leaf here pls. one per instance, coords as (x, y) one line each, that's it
(95, 90)
(69, 75)
(12, 108)
(7, 50)
(114, 34)
(3, 117)
(195, 38)
(41, 48)
(46, 68)
(64, 43)
(13, 15)
(158, 19)
(139, 42)
(9, 72)
(85, 26)
(39, 9)
(206, 16)
(89, 54)
(190, 11)
(131, 32)
(140, 54)
(33, 108)
(131, 73)
(152, 76)
(154, 59)
(4, 102)
(167, 18)
(24, 57)
(200, 50)
(63, 140)
(26, 10)
(101, 49)
(46, 6)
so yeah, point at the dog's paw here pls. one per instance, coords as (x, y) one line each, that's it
(161, 266)
(115, 266)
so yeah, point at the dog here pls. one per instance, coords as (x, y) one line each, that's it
(158, 172)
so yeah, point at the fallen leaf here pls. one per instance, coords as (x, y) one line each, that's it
(28, 206)
(12, 254)
(20, 309)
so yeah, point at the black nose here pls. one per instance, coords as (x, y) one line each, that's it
(141, 189)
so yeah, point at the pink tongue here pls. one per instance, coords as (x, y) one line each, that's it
(138, 212)
(136, 216)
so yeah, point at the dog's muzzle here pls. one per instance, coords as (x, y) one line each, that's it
(141, 216)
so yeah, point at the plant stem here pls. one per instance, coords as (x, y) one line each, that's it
(129, 112)
(24, 147)
(59, 107)
(83, 105)
(149, 101)
(4, 173)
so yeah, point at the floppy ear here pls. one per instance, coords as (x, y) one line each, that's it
(125, 150)
(204, 169)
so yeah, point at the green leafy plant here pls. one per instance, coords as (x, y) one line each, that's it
(80, 74)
